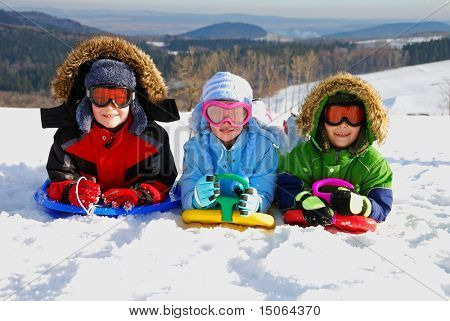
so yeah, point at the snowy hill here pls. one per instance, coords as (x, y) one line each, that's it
(421, 89)
(158, 257)
(392, 30)
(31, 18)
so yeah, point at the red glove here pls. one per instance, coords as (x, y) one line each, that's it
(88, 192)
(126, 197)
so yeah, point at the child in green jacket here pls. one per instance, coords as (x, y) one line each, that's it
(342, 117)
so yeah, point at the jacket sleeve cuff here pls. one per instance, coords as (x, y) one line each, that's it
(59, 191)
(367, 207)
(381, 200)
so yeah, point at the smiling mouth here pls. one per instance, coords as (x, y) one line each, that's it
(227, 130)
(109, 116)
(342, 134)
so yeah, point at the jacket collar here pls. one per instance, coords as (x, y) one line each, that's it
(109, 138)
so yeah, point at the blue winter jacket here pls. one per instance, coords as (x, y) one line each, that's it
(253, 156)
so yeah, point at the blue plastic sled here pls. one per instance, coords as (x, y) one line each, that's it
(57, 209)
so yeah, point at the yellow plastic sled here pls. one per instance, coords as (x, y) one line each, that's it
(226, 213)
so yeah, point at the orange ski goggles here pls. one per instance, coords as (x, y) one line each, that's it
(103, 95)
(353, 115)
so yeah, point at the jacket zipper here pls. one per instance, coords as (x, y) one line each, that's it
(229, 158)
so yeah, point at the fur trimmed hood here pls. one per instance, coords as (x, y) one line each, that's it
(68, 84)
(376, 114)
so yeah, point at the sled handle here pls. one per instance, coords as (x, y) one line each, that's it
(226, 202)
(328, 182)
(233, 177)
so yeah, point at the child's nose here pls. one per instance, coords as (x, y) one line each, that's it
(227, 124)
(112, 105)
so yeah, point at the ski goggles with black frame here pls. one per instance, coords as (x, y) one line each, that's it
(218, 112)
(103, 95)
(353, 115)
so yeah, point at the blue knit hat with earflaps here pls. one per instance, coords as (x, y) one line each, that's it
(110, 72)
(224, 86)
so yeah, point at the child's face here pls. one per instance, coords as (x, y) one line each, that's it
(227, 133)
(110, 116)
(342, 135)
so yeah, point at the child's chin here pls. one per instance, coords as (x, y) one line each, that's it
(228, 137)
(110, 123)
(341, 144)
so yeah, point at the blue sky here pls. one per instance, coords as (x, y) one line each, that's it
(359, 9)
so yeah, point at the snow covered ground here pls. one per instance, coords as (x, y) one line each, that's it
(158, 257)
(407, 90)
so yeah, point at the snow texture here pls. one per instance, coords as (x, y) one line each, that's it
(421, 89)
(158, 257)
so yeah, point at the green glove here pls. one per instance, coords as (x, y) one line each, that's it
(347, 202)
(315, 211)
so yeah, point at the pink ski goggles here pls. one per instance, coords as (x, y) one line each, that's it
(218, 112)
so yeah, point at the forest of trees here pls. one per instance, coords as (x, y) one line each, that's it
(434, 50)
(29, 58)
(273, 68)
(270, 67)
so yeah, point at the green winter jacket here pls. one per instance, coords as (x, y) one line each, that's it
(361, 164)
(365, 171)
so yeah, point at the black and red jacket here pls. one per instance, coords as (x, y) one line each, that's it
(116, 159)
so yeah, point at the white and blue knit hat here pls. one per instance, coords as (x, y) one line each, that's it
(226, 86)
(222, 86)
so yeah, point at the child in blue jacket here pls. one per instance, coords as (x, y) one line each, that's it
(228, 140)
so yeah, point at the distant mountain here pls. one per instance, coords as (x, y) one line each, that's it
(393, 30)
(33, 44)
(30, 53)
(144, 22)
(227, 30)
(34, 18)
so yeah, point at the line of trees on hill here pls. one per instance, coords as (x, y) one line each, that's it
(270, 66)
(29, 58)
(272, 70)
(434, 50)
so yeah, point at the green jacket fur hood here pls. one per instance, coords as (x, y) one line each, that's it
(376, 115)
(360, 164)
